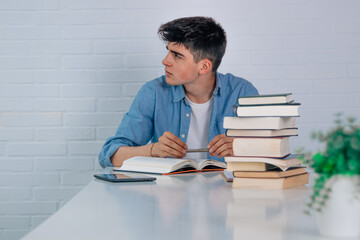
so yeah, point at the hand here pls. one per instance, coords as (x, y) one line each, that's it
(221, 146)
(169, 145)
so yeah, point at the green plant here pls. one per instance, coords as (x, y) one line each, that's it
(340, 157)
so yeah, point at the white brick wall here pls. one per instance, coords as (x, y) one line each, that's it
(69, 70)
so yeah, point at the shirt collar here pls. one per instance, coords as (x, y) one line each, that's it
(178, 92)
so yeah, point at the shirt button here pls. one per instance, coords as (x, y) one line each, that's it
(183, 135)
(187, 115)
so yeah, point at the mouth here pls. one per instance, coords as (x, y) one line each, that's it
(167, 73)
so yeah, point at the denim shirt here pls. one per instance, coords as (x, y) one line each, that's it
(159, 107)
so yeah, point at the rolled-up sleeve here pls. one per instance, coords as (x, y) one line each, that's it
(136, 128)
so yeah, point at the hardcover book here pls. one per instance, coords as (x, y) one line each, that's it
(266, 99)
(262, 132)
(167, 166)
(273, 110)
(275, 173)
(271, 183)
(261, 163)
(276, 147)
(259, 122)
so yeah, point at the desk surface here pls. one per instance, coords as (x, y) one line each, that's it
(188, 206)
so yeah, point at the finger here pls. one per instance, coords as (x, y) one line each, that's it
(226, 153)
(223, 141)
(215, 140)
(173, 147)
(224, 150)
(166, 151)
(175, 139)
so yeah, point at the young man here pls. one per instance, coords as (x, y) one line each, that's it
(185, 108)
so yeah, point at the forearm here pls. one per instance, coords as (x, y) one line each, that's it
(125, 152)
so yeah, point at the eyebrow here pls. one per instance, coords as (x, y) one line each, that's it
(182, 55)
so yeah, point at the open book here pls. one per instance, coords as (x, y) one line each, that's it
(166, 166)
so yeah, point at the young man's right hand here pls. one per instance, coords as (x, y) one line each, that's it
(169, 145)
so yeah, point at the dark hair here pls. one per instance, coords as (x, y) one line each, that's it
(201, 35)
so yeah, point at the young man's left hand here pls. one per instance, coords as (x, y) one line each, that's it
(221, 146)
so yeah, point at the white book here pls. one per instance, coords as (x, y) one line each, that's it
(281, 110)
(169, 165)
(259, 122)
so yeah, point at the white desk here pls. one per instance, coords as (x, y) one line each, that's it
(188, 206)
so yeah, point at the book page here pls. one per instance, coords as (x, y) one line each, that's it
(201, 163)
(155, 165)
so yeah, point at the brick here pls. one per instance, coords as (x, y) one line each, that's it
(323, 100)
(255, 72)
(27, 5)
(92, 4)
(236, 58)
(17, 105)
(92, 32)
(113, 90)
(354, 85)
(85, 148)
(15, 194)
(313, 42)
(247, 43)
(54, 134)
(286, 57)
(153, 60)
(28, 179)
(36, 149)
(325, 71)
(332, 86)
(114, 105)
(61, 47)
(66, 76)
(11, 222)
(337, 56)
(294, 86)
(142, 31)
(51, 194)
(62, 18)
(2, 148)
(76, 178)
(30, 33)
(34, 62)
(105, 132)
(93, 119)
(16, 18)
(129, 46)
(132, 89)
(128, 75)
(16, 76)
(14, 48)
(237, 28)
(15, 165)
(61, 164)
(354, 70)
(28, 90)
(38, 219)
(28, 208)
(281, 27)
(66, 105)
(14, 234)
(31, 119)
(89, 62)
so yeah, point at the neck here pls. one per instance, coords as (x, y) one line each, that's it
(201, 90)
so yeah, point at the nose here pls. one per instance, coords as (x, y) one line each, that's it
(166, 61)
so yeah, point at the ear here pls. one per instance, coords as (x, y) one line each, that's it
(205, 66)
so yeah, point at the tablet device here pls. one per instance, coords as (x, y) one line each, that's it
(124, 177)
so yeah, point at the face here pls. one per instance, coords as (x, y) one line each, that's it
(180, 67)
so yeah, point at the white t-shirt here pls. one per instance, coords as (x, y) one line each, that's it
(199, 127)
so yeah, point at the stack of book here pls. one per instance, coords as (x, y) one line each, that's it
(261, 147)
